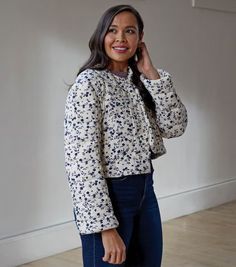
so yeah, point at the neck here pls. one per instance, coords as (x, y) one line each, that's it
(118, 67)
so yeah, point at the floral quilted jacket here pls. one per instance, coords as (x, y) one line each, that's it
(109, 132)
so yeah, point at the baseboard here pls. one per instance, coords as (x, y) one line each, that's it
(35, 245)
(38, 244)
(187, 202)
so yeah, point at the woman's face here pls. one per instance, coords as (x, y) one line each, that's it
(121, 40)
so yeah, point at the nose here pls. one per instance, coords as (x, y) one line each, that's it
(120, 37)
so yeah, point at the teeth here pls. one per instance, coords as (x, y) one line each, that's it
(120, 48)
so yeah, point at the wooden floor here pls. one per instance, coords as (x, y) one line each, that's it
(203, 239)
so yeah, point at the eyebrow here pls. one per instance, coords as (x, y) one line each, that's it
(113, 25)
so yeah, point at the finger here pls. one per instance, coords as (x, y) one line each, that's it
(123, 257)
(106, 256)
(112, 258)
(120, 256)
(142, 45)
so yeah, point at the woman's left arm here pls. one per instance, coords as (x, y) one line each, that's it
(170, 111)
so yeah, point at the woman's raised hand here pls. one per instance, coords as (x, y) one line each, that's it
(145, 65)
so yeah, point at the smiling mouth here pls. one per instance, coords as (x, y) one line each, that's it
(120, 49)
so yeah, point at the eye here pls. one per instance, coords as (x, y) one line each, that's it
(112, 30)
(130, 31)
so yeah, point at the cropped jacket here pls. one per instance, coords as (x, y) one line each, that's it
(109, 132)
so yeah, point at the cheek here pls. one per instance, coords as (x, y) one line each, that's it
(134, 46)
(107, 41)
(134, 41)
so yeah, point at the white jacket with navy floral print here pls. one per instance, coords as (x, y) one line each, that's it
(109, 132)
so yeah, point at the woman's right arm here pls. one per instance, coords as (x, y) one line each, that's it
(82, 143)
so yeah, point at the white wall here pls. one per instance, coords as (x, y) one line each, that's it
(43, 43)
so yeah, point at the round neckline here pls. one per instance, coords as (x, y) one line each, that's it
(120, 74)
(115, 74)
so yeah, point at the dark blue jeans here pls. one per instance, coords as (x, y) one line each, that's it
(135, 205)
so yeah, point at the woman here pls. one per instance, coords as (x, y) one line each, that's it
(116, 114)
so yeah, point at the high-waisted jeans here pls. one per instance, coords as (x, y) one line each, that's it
(136, 208)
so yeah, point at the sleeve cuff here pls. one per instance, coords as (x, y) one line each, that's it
(93, 210)
(162, 85)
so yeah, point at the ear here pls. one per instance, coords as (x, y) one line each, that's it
(141, 37)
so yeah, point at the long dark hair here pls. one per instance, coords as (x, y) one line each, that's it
(99, 60)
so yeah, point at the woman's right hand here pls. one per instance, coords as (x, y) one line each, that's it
(115, 250)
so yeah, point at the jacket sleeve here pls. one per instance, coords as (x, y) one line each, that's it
(171, 113)
(92, 206)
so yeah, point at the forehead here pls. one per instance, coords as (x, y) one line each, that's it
(125, 18)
